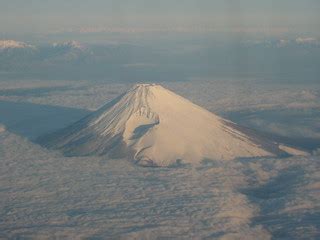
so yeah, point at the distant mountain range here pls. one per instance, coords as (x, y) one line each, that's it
(161, 61)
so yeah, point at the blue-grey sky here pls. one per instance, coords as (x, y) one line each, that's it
(225, 15)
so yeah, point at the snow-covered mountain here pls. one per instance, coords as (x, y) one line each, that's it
(69, 45)
(52, 50)
(153, 126)
(12, 44)
(44, 60)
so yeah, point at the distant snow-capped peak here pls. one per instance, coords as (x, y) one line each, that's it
(306, 40)
(12, 44)
(70, 44)
(2, 128)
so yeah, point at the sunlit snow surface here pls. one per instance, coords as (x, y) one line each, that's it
(44, 195)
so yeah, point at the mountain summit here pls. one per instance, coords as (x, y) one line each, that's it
(153, 126)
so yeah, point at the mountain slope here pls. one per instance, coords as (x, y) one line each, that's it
(153, 126)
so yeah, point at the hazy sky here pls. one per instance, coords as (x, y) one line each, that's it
(299, 16)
